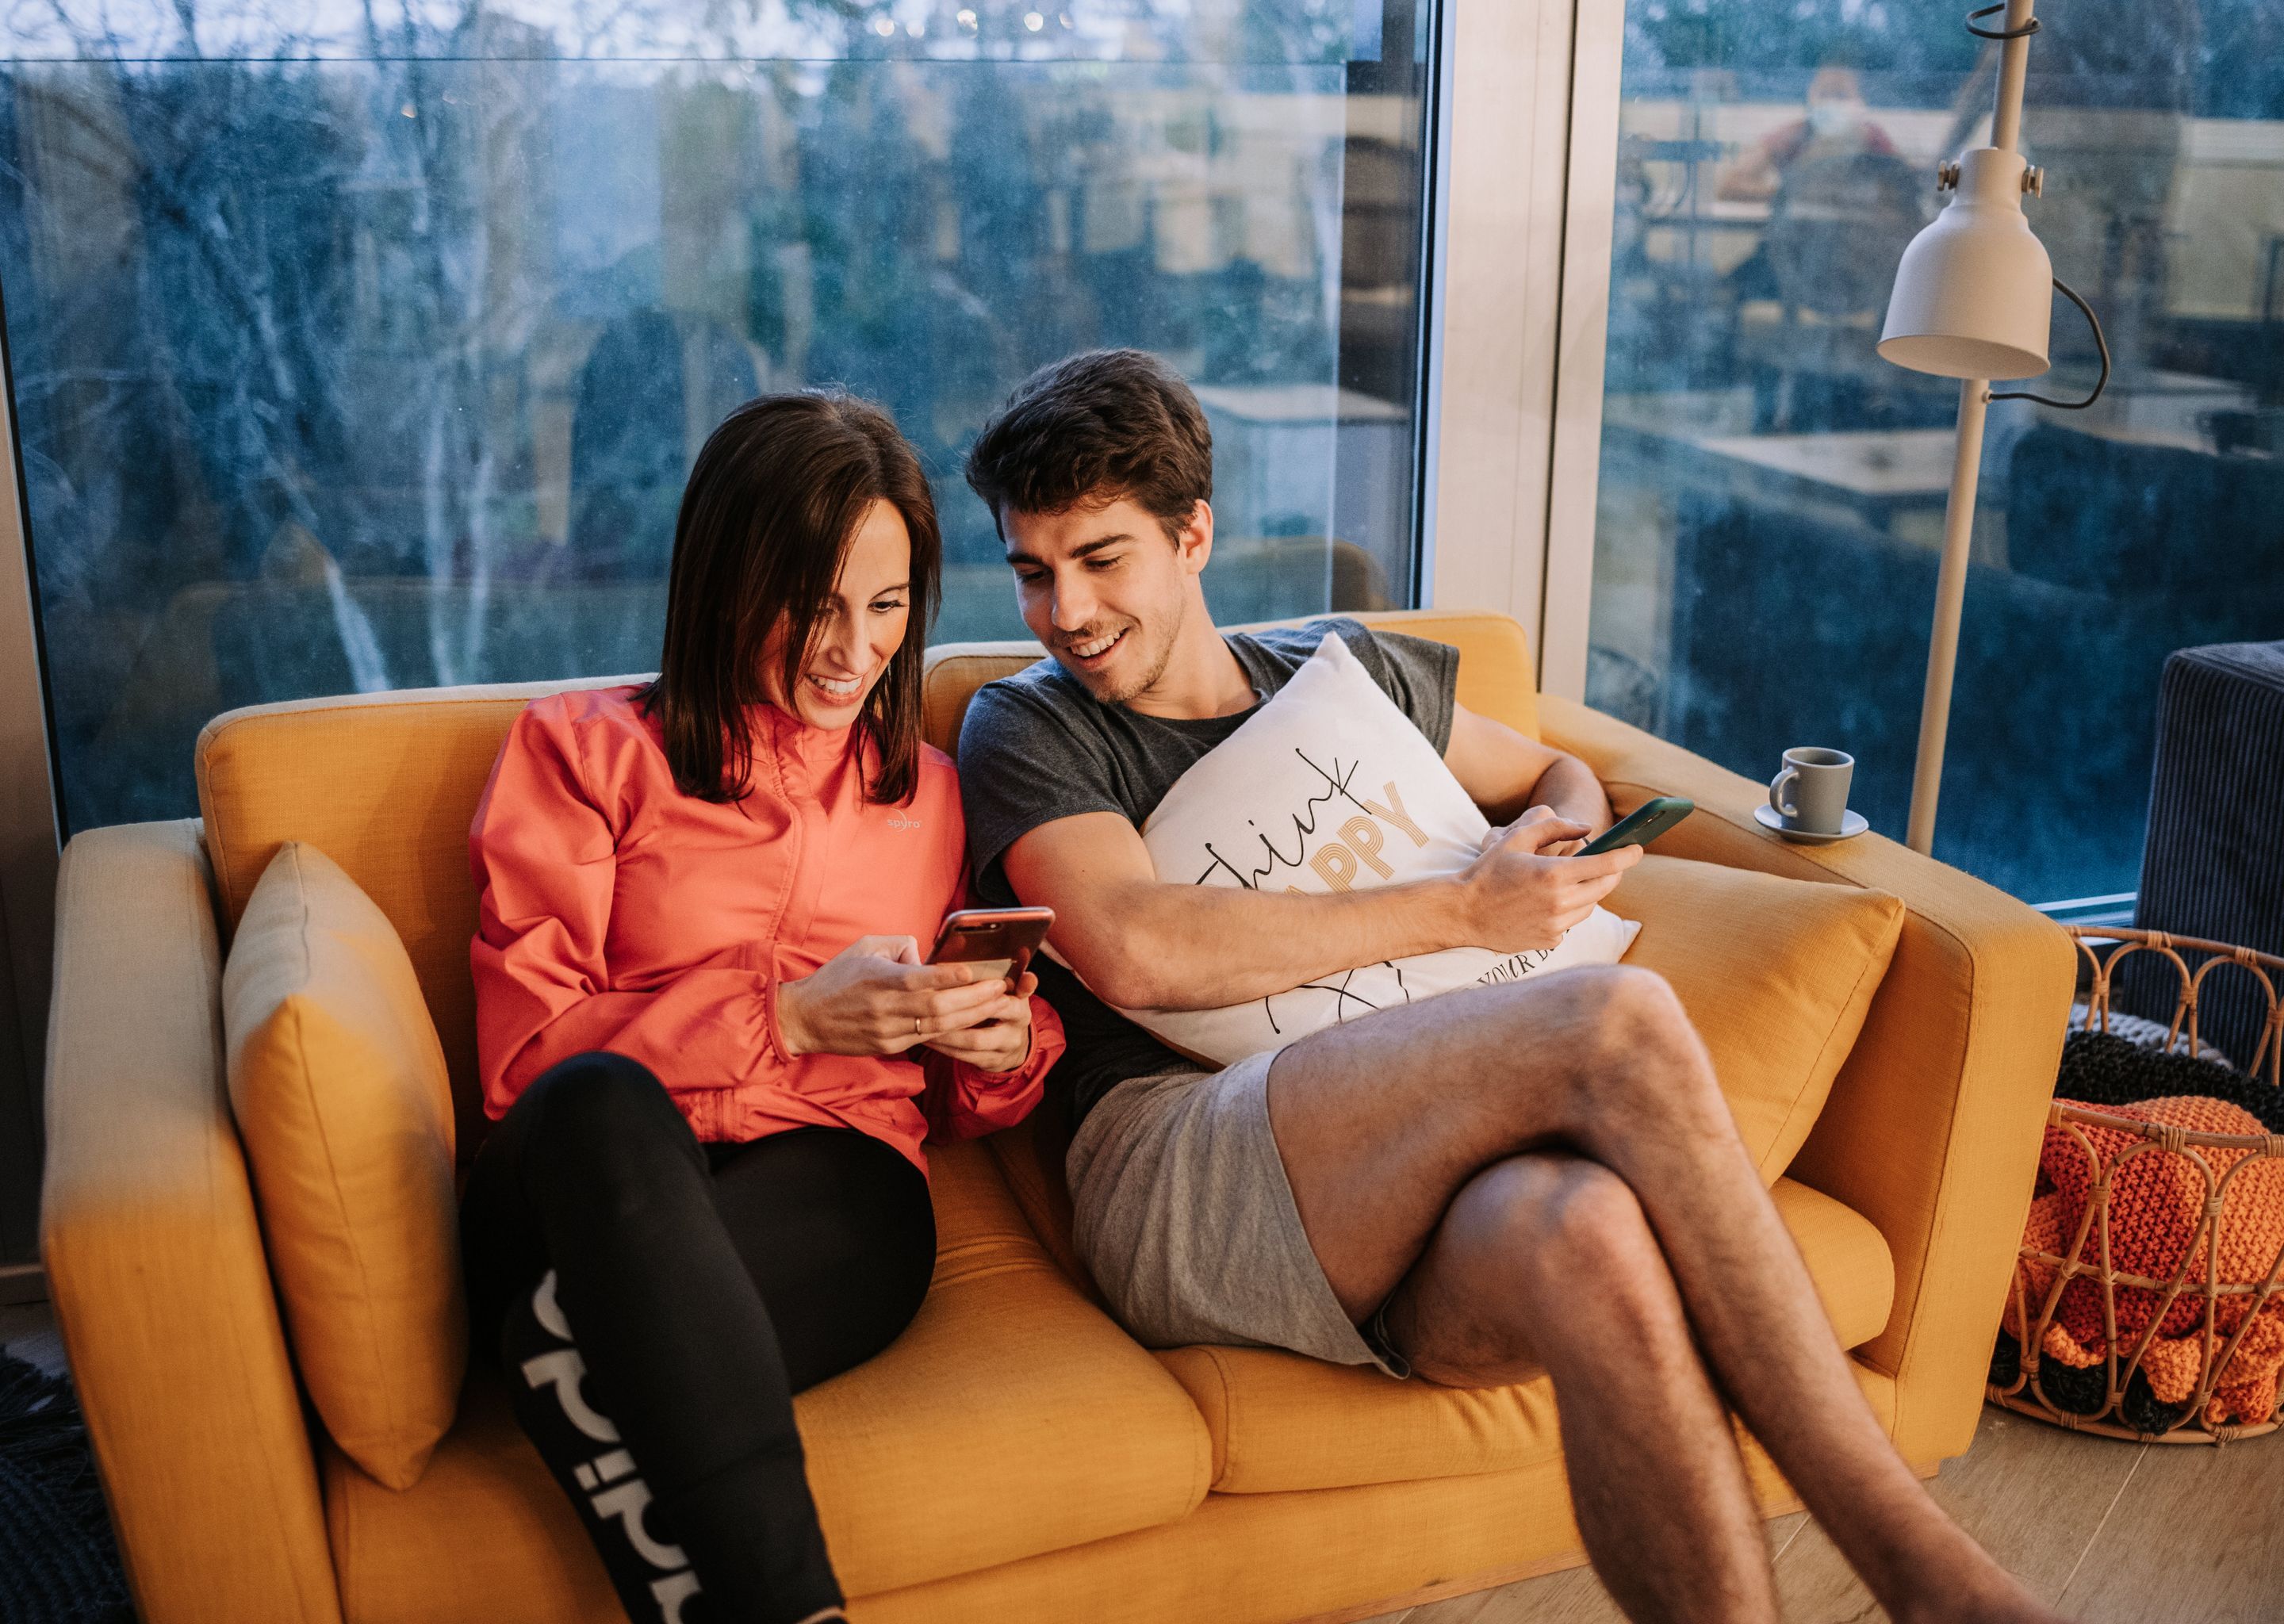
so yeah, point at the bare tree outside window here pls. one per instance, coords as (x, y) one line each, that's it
(359, 346)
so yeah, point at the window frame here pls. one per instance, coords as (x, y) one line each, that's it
(1589, 221)
(1523, 274)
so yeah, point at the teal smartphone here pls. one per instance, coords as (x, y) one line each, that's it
(1641, 825)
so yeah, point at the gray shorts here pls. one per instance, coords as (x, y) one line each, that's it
(1182, 1213)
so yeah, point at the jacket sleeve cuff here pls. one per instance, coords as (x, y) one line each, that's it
(1048, 1040)
(772, 1023)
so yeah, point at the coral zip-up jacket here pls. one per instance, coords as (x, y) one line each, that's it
(618, 913)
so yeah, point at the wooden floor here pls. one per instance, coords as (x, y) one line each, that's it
(2109, 1533)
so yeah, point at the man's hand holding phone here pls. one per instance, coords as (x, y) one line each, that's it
(876, 997)
(1529, 887)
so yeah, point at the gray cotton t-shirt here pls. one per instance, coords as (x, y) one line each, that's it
(1036, 747)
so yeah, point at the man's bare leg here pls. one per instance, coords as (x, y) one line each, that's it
(1382, 1122)
(1545, 1262)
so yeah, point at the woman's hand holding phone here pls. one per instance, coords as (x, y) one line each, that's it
(1000, 1039)
(876, 997)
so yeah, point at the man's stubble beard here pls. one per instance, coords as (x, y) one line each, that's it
(1128, 693)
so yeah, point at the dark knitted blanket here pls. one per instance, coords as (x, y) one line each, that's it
(2100, 1068)
(58, 1564)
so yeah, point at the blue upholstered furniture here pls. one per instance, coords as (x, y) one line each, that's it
(2214, 865)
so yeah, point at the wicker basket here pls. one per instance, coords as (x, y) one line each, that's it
(2089, 1252)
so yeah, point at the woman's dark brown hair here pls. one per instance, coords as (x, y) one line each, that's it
(776, 494)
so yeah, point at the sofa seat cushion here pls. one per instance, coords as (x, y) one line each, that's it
(1282, 1422)
(1777, 975)
(1013, 1418)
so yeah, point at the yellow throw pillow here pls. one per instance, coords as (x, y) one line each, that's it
(338, 1085)
(1777, 975)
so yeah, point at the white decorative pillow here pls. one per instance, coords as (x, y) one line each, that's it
(1329, 787)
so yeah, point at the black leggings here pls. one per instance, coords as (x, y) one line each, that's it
(656, 1304)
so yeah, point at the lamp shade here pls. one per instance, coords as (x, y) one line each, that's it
(1975, 291)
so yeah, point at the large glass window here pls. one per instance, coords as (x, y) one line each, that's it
(359, 347)
(1772, 492)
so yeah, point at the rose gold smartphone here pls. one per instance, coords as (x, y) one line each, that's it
(996, 941)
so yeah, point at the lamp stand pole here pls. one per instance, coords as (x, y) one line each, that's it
(1949, 598)
(1966, 473)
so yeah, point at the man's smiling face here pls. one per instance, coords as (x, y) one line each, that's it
(1106, 590)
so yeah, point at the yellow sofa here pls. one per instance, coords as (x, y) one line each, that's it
(1014, 1455)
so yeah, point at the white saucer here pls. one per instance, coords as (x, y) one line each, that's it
(1852, 822)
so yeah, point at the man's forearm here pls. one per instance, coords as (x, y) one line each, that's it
(1203, 947)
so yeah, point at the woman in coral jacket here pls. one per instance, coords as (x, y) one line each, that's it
(705, 1029)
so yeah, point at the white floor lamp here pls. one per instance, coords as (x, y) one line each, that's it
(1974, 294)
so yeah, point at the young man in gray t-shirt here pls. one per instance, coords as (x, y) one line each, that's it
(1537, 1175)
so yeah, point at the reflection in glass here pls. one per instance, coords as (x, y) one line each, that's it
(1771, 493)
(356, 350)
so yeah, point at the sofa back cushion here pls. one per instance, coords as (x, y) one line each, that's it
(338, 1087)
(1777, 975)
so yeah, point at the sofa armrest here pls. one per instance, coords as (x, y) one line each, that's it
(1932, 1127)
(154, 1253)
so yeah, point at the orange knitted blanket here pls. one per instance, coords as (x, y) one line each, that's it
(2156, 1222)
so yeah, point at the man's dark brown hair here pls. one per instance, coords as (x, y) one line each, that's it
(773, 501)
(1108, 424)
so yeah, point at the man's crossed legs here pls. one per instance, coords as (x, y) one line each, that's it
(1543, 1175)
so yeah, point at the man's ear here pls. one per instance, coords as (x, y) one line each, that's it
(1195, 540)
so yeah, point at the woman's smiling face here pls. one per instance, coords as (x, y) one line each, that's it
(859, 630)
